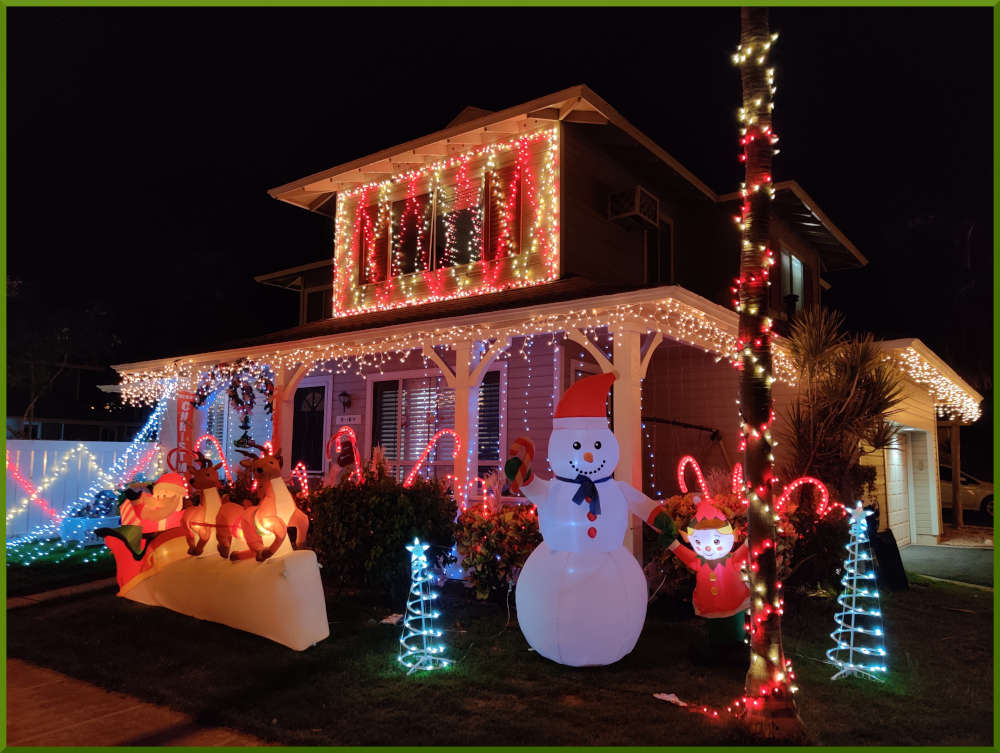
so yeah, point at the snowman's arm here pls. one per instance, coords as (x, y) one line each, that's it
(638, 503)
(537, 491)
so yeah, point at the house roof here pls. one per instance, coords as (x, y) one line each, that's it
(798, 209)
(291, 278)
(577, 104)
(474, 126)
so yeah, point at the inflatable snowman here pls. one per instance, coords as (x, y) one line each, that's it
(581, 596)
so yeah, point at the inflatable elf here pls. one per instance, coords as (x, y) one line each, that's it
(720, 593)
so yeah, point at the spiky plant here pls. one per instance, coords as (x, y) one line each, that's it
(846, 396)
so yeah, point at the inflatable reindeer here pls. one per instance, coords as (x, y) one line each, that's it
(275, 512)
(199, 522)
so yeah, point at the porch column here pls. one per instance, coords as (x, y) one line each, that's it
(470, 366)
(631, 365)
(286, 381)
(956, 474)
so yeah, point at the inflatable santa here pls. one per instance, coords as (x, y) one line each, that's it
(581, 597)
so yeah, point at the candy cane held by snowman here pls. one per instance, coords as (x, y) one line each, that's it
(581, 596)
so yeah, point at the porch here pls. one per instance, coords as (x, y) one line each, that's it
(491, 376)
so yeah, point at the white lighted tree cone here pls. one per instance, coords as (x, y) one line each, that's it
(769, 704)
(418, 647)
(859, 648)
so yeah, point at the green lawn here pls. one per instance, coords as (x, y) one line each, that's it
(350, 690)
(59, 566)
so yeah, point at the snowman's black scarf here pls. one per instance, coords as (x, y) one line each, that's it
(587, 491)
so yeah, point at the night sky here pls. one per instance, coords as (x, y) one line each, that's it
(141, 143)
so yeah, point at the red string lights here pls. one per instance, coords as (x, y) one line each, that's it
(412, 475)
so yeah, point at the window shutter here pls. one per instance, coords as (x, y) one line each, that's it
(489, 417)
(385, 403)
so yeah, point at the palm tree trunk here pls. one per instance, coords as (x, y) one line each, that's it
(770, 708)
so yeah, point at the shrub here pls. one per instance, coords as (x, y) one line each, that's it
(360, 531)
(494, 544)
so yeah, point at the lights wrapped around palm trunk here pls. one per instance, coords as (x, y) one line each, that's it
(859, 648)
(417, 646)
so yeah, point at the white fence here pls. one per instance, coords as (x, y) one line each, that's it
(61, 471)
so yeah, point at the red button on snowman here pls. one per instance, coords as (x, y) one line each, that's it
(581, 597)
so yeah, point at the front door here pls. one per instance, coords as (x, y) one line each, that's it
(307, 427)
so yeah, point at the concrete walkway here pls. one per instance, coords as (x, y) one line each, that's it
(965, 564)
(47, 708)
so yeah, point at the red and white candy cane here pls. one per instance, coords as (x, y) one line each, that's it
(412, 475)
(346, 431)
(737, 487)
(682, 464)
(218, 448)
(523, 449)
(824, 496)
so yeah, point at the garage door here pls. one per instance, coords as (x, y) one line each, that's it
(895, 490)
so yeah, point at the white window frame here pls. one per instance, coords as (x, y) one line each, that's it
(399, 376)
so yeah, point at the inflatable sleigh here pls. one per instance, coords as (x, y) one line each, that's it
(221, 561)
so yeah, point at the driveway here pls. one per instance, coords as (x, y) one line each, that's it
(965, 564)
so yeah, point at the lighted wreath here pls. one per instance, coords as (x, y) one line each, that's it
(242, 380)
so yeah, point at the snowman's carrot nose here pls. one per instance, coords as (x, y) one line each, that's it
(589, 457)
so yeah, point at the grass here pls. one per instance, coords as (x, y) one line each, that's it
(57, 565)
(349, 689)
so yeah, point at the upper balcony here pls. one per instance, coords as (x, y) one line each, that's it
(482, 221)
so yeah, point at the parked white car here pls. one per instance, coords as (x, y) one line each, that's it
(975, 494)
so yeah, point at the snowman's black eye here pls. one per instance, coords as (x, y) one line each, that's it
(576, 445)
(597, 445)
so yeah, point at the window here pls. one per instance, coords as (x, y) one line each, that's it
(411, 232)
(458, 228)
(489, 204)
(792, 277)
(489, 421)
(408, 412)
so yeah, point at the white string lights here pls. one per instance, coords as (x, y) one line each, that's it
(859, 635)
(417, 649)
(376, 352)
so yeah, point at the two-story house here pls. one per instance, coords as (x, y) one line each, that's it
(479, 270)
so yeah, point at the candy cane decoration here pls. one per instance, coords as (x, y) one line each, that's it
(349, 433)
(682, 465)
(218, 448)
(738, 483)
(412, 475)
(300, 474)
(824, 505)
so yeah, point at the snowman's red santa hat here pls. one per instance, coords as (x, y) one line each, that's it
(585, 404)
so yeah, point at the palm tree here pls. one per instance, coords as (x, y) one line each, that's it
(770, 708)
(847, 393)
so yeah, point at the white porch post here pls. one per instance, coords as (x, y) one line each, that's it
(631, 365)
(286, 381)
(470, 366)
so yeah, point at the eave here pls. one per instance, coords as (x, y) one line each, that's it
(577, 104)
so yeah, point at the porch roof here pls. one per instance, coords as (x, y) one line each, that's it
(680, 314)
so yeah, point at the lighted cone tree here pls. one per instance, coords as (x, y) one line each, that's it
(417, 647)
(859, 649)
(769, 707)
